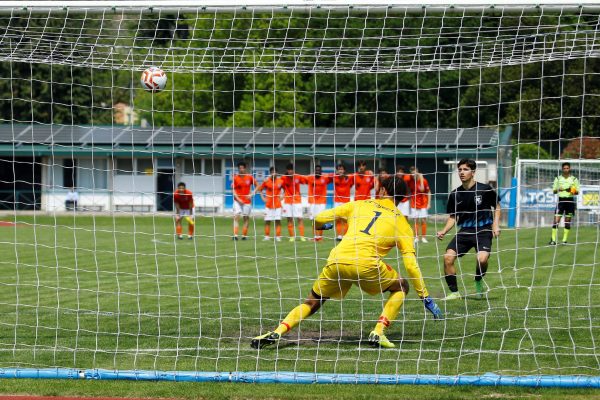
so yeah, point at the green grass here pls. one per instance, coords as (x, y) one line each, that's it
(121, 293)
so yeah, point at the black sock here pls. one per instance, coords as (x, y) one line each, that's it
(451, 281)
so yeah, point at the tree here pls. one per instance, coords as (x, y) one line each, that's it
(582, 147)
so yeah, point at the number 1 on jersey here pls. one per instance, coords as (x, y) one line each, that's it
(366, 230)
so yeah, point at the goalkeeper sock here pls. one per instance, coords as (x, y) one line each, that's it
(390, 311)
(452, 283)
(554, 234)
(566, 234)
(267, 230)
(301, 229)
(293, 318)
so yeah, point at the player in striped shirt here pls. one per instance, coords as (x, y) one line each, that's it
(566, 186)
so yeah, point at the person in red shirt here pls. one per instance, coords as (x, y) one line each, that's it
(317, 195)
(242, 201)
(184, 209)
(342, 183)
(381, 175)
(272, 185)
(420, 202)
(404, 205)
(292, 201)
(364, 182)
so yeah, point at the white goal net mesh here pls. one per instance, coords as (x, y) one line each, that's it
(94, 276)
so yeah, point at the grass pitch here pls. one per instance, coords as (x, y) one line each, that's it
(123, 293)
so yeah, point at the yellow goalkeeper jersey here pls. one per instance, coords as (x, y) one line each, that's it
(374, 227)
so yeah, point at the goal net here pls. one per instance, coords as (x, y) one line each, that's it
(96, 282)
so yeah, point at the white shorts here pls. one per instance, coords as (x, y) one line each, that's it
(185, 213)
(315, 209)
(419, 212)
(273, 214)
(404, 208)
(292, 211)
(337, 204)
(241, 209)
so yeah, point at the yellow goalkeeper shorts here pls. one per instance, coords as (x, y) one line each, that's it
(335, 280)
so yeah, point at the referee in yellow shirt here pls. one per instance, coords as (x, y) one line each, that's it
(375, 226)
(567, 187)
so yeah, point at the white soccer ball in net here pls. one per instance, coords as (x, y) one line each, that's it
(154, 79)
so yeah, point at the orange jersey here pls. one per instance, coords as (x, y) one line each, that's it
(363, 184)
(419, 197)
(273, 189)
(242, 185)
(341, 188)
(185, 200)
(317, 188)
(291, 188)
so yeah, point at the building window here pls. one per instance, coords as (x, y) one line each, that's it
(92, 174)
(69, 172)
(213, 166)
(144, 166)
(124, 166)
(192, 166)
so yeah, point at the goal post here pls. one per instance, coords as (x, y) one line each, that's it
(536, 201)
(99, 281)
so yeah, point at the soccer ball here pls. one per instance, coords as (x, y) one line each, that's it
(154, 79)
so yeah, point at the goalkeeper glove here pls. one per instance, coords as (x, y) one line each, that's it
(433, 308)
(573, 190)
(326, 226)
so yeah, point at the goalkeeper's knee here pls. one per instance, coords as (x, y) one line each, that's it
(404, 285)
(555, 225)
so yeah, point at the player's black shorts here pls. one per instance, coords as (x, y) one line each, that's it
(466, 239)
(566, 207)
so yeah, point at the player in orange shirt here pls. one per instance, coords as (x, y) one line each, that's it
(364, 182)
(342, 183)
(381, 175)
(273, 188)
(292, 201)
(420, 202)
(317, 195)
(184, 209)
(404, 205)
(242, 202)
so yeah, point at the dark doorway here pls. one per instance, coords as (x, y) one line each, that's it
(164, 189)
(20, 183)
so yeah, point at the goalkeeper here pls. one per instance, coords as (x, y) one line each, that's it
(567, 187)
(375, 226)
(184, 209)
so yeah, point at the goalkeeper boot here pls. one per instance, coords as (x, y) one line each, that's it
(433, 308)
(452, 296)
(376, 340)
(267, 339)
(479, 290)
(552, 243)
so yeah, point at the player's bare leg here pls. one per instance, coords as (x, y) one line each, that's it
(450, 271)
(246, 219)
(236, 226)
(480, 270)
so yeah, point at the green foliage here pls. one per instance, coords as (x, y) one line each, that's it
(584, 147)
(529, 151)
